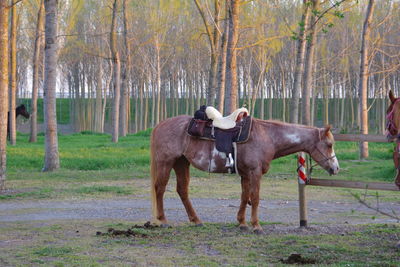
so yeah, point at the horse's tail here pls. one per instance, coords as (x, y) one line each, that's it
(153, 173)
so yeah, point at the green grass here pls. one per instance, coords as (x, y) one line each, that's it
(93, 166)
(82, 151)
(76, 244)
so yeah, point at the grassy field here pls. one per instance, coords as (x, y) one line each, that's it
(95, 168)
(92, 165)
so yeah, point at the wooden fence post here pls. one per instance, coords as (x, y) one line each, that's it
(302, 175)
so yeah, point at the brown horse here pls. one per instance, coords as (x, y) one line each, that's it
(173, 148)
(393, 131)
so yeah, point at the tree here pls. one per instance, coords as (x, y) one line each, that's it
(231, 86)
(364, 72)
(3, 89)
(124, 110)
(51, 160)
(116, 74)
(13, 74)
(213, 38)
(301, 48)
(309, 64)
(35, 71)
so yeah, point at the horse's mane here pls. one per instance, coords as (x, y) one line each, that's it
(281, 123)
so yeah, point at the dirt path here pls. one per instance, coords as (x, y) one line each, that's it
(209, 210)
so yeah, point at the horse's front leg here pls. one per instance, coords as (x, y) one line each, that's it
(255, 200)
(241, 216)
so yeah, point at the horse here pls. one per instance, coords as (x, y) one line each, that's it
(20, 110)
(173, 148)
(393, 131)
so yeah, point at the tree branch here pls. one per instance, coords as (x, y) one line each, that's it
(363, 202)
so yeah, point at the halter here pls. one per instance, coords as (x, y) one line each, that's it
(319, 162)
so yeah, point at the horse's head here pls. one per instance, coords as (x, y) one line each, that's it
(323, 152)
(21, 110)
(393, 117)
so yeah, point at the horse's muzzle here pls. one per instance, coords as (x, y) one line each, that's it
(333, 171)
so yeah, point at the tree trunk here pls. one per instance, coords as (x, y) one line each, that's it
(302, 41)
(123, 117)
(363, 82)
(99, 98)
(326, 97)
(222, 69)
(213, 38)
(309, 67)
(116, 74)
(51, 161)
(141, 113)
(3, 89)
(13, 77)
(158, 87)
(231, 88)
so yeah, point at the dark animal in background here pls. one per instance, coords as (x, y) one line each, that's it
(20, 110)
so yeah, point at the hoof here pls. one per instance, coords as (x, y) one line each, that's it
(199, 225)
(244, 228)
(165, 225)
(259, 232)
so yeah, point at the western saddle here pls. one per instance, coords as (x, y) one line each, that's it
(209, 124)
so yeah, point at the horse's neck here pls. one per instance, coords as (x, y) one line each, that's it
(292, 138)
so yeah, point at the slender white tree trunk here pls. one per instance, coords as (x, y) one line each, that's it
(3, 89)
(294, 106)
(124, 104)
(35, 72)
(363, 83)
(13, 80)
(51, 160)
(231, 88)
(99, 99)
(309, 67)
(116, 74)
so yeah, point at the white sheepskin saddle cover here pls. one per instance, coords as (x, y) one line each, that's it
(221, 122)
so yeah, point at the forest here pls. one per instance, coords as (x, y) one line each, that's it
(122, 66)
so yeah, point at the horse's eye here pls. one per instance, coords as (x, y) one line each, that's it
(330, 145)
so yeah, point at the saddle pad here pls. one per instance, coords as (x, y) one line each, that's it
(242, 128)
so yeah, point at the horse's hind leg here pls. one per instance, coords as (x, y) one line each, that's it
(181, 168)
(160, 185)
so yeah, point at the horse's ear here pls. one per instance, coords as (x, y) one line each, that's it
(391, 97)
(327, 130)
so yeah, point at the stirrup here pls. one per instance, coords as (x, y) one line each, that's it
(229, 161)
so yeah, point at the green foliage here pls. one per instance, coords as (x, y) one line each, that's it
(62, 107)
(145, 133)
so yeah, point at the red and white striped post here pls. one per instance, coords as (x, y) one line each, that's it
(302, 179)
